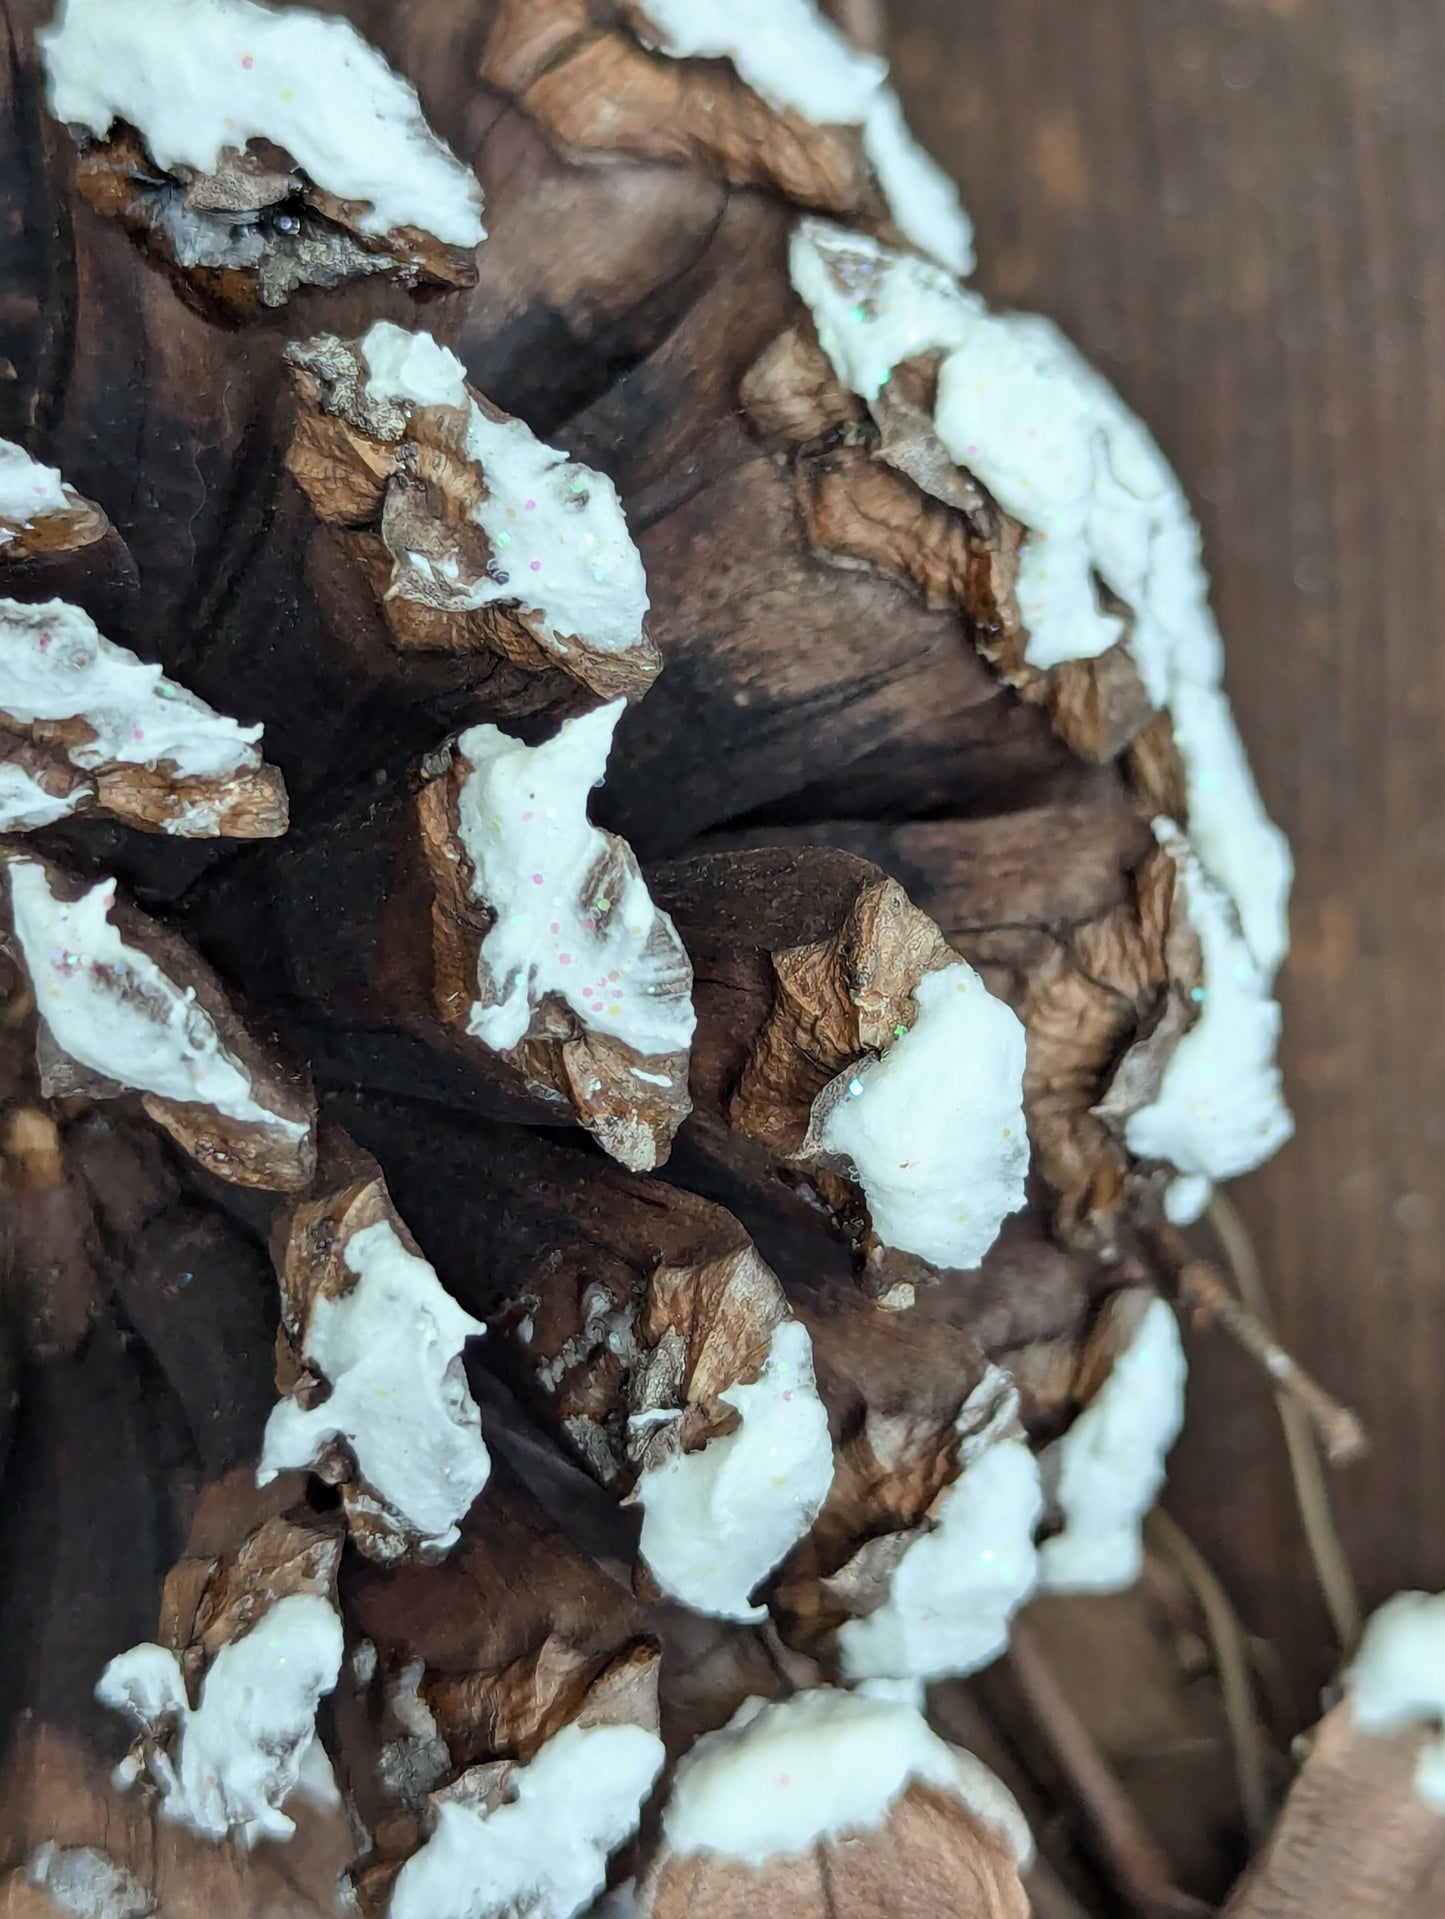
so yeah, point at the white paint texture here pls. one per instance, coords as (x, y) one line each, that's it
(25, 804)
(56, 665)
(543, 1854)
(611, 956)
(1106, 1471)
(793, 57)
(816, 1768)
(1220, 1105)
(716, 1521)
(112, 1009)
(196, 77)
(954, 1593)
(390, 1350)
(236, 1756)
(1397, 1679)
(934, 1128)
(28, 490)
(557, 532)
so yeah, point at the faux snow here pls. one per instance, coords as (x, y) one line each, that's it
(716, 1521)
(616, 961)
(1107, 1469)
(1397, 1679)
(1023, 412)
(196, 77)
(238, 1754)
(955, 1591)
(25, 804)
(781, 1778)
(557, 531)
(544, 1852)
(28, 490)
(55, 665)
(934, 1128)
(112, 1009)
(390, 1349)
(798, 61)
(1220, 1107)
(874, 307)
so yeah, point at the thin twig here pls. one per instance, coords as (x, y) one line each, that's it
(1166, 1537)
(1202, 1287)
(1311, 1488)
(1138, 1868)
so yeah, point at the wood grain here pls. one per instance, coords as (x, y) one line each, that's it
(1234, 209)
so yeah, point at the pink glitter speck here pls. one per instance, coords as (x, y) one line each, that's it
(536, 566)
(44, 641)
(565, 958)
(247, 62)
(526, 816)
(136, 733)
(555, 927)
(530, 506)
(586, 992)
(536, 879)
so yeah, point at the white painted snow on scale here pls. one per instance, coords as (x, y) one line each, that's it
(390, 1349)
(793, 57)
(617, 962)
(934, 1127)
(28, 490)
(25, 804)
(1107, 1469)
(112, 1009)
(717, 1521)
(196, 77)
(952, 1596)
(1220, 1107)
(543, 1853)
(238, 1755)
(1397, 1679)
(558, 534)
(56, 665)
(781, 1778)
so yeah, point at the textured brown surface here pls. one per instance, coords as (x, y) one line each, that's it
(1234, 210)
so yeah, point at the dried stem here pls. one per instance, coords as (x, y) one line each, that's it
(1203, 1288)
(1138, 1868)
(1231, 1659)
(1312, 1494)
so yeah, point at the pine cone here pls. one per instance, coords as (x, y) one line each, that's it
(628, 905)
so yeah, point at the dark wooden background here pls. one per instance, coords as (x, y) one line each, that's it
(1237, 209)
